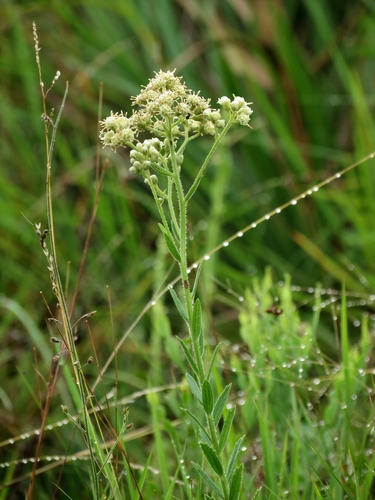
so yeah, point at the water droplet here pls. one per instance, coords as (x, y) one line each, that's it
(343, 407)
(206, 257)
(243, 448)
(309, 192)
(293, 202)
(254, 457)
(253, 225)
(11, 441)
(354, 397)
(225, 244)
(278, 210)
(195, 265)
(267, 217)
(338, 176)
(315, 189)
(241, 299)
(316, 381)
(240, 234)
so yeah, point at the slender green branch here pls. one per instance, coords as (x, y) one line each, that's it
(200, 174)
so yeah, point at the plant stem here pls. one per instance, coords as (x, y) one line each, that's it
(189, 301)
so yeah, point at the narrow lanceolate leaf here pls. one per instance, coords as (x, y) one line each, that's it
(235, 487)
(197, 274)
(178, 304)
(213, 359)
(226, 428)
(172, 247)
(162, 228)
(188, 356)
(233, 458)
(203, 430)
(194, 388)
(206, 478)
(196, 324)
(207, 397)
(212, 458)
(220, 404)
(201, 344)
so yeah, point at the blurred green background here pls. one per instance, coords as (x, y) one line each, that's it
(309, 69)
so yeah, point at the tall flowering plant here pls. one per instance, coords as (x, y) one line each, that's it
(174, 116)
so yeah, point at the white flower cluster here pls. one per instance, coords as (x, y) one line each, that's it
(168, 110)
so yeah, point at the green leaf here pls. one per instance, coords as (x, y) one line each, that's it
(178, 304)
(226, 428)
(172, 247)
(175, 230)
(188, 356)
(213, 359)
(212, 458)
(201, 344)
(196, 324)
(204, 432)
(235, 487)
(233, 458)
(194, 388)
(207, 397)
(206, 478)
(163, 229)
(197, 274)
(220, 404)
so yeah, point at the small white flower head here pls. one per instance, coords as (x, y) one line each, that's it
(116, 131)
(238, 109)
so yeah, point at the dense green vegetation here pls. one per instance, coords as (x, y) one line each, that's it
(302, 380)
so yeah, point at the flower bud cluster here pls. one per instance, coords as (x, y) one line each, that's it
(239, 109)
(145, 154)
